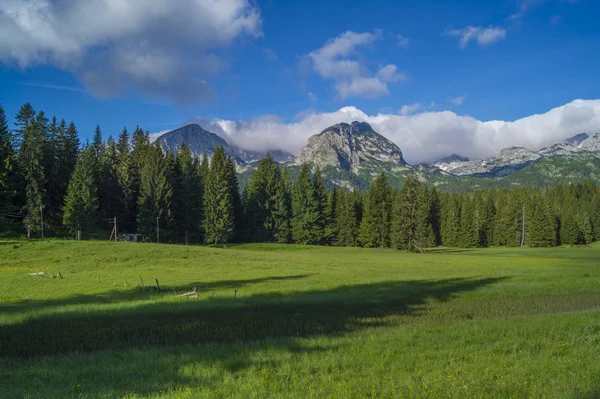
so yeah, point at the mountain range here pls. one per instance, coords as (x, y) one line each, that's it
(351, 154)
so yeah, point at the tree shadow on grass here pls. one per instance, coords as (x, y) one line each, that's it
(304, 314)
(157, 347)
(140, 293)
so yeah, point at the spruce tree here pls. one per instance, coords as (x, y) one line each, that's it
(219, 212)
(154, 200)
(487, 209)
(267, 208)
(595, 215)
(305, 209)
(321, 199)
(126, 181)
(541, 232)
(346, 219)
(7, 162)
(469, 228)
(451, 224)
(81, 201)
(31, 154)
(187, 198)
(410, 217)
(435, 215)
(375, 225)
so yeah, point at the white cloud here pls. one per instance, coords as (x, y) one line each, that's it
(483, 36)
(402, 41)
(410, 109)
(116, 45)
(337, 61)
(389, 73)
(458, 100)
(425, 136)
(313, 97)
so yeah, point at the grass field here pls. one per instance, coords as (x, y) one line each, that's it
(306, 322)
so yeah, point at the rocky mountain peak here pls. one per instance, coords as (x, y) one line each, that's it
(201, 141)
(350, 147)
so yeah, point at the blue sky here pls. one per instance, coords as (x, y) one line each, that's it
(285, 62)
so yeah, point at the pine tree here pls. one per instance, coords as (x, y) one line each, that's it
(125, 180)
(595, 215)
(570, 233)
(23, 120)
(375, 225)
(321, 199)
(451, 224)
(435, 215)
(346, 219)
(542, 230)
(154, 200)
(31, 154)
(8, 172)
(410, 217)
(219, 212)
(238, 206)
(188, 197)
(487, 209)
(55, 191)
(469, 228)
(267, 208)
(81, 202)
(305, 210)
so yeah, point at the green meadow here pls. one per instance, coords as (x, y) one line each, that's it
(289, 321)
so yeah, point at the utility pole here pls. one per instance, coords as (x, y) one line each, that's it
(157, 230)
(115, 229)
(42, 221)
(523, 232)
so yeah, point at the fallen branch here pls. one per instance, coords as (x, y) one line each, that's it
(37, 274)
(190, 294)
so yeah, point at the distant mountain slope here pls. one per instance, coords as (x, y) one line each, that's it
(201, 142)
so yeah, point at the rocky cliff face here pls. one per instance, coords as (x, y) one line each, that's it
(515, 158)
(350, 147)
(201, 142)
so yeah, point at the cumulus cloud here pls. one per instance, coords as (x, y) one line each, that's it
(423, 137)
(162, 48)
(338, 60)
(483, 36)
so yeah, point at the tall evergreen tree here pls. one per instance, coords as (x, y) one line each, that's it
(451, 224)
(469, 227)
(9, 182)
(81, 202)
(435, 215)
(154, 200)
(321, 199)
(487, 211)
(542, 230)
(267, 208)
(219, 211)
(126, 181)
(238, 206)
(375, 225)
(305, 209)
(188, 195)
(31, 155)
(346, 219)
(410, 217)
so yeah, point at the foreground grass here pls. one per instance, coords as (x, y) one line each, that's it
(305, 322)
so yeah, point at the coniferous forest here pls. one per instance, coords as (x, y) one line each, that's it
(53, 185)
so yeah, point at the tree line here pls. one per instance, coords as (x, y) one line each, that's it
(49, 181)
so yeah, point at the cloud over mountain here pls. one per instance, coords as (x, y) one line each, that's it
(425, 136)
